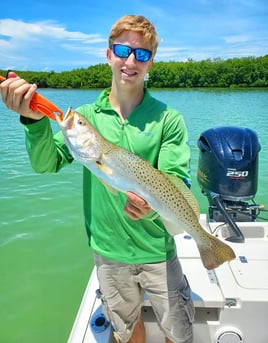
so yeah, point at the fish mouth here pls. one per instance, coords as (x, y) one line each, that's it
(67, 121)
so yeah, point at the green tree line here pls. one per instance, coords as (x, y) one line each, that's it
(234, 72)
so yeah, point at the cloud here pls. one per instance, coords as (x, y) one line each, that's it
(45, 42)
(234, 39)
(16, 29)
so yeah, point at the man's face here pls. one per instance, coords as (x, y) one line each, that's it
(128, 71)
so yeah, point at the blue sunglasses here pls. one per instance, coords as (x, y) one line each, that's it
(124, 51)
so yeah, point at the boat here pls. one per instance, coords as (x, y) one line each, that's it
(231, 301)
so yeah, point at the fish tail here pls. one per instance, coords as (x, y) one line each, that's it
(215, 252)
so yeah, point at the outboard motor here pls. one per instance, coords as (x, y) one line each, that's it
(228, 173)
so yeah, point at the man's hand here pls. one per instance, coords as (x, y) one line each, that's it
(136, 207)
(17, 95)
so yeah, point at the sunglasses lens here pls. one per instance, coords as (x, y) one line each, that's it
(142, 55)
(123, 51)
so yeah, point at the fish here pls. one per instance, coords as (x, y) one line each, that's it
(123, 171)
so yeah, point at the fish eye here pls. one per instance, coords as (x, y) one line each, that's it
(81, 122)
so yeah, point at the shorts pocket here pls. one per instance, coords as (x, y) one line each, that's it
(186, 300)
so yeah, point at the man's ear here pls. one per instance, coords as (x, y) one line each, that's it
(149, 66)
(108, 55)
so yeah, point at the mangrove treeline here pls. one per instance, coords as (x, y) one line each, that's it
(234, 72)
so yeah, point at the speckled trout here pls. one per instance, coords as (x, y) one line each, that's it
(124, 171)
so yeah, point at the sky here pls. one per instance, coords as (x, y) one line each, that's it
(59, 35)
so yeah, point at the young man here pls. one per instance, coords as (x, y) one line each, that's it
(133, 251)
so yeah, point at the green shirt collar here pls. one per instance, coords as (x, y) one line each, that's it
(103, 103)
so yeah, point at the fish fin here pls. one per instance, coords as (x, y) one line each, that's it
(171, 228)
(186, 192)
(106, 170)
(214, 252)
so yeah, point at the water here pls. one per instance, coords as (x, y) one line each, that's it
(45, 262)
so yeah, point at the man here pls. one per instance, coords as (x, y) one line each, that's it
(133, 251)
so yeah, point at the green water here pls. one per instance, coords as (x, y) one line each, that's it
(45, 262)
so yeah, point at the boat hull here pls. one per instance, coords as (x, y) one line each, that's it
(231, 302)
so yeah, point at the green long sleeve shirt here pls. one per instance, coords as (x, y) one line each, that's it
(154, 132)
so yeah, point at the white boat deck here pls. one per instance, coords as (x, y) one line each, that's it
(231, 302)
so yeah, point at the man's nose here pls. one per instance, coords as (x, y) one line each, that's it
(131, 58)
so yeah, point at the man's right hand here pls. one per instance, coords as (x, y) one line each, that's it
(17, 95)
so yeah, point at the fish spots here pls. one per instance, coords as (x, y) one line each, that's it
(122, 170)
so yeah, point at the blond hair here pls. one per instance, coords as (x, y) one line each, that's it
(136, 23)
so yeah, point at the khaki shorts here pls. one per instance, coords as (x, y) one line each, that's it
(122, 288)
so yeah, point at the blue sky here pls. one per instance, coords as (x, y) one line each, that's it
(48, 35)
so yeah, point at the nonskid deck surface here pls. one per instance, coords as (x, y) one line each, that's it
(231, 302)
